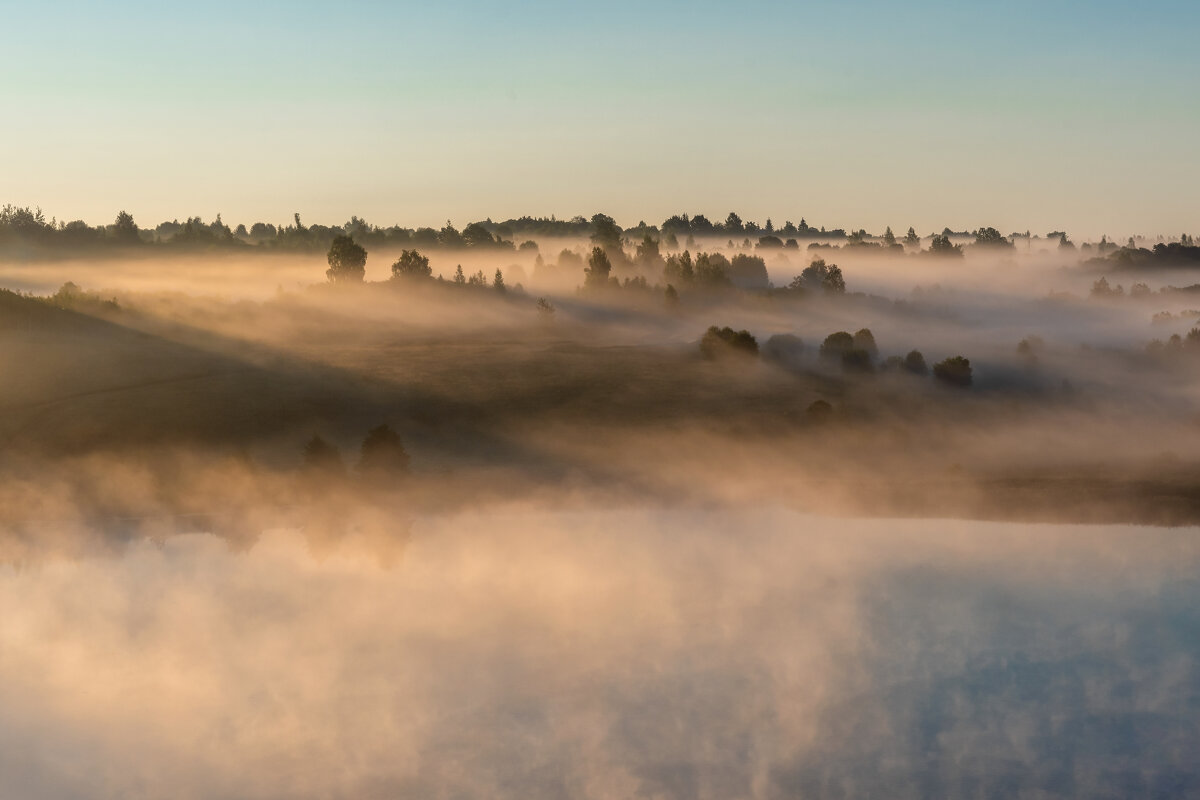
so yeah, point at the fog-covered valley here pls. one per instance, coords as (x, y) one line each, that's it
(265, 532)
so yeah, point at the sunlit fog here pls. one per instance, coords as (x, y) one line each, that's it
(588, 511)
(628, 400)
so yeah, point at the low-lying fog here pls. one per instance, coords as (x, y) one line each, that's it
(683, 653)
(606, 566)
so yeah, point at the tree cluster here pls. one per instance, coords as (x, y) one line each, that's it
(382, 458)
(722, 342)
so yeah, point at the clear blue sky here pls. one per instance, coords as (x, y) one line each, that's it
(1019, 115)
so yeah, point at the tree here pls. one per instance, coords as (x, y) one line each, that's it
(990, 237)
(605, 232)
(498, 282)
(450, 237)
(476, 235)
(819, 275)
(382, 455)
(733, 224)
(703, 226)
(545, 308)
(718, 342)
(911, 239)
(836, 344)
(459, 278)
(347, 260)
(262, 230)
(955, 371)
(670, 296)
(942, 246)
(413, 265)
(597, 270)
(914, 362)
(748, 272)
(712, 269)
(677, 223)
(679, 268)
(889, 238)
(865, 340)
(1101, 289)
(649, 257)
(125, 230)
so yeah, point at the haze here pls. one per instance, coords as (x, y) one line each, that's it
(665, 401)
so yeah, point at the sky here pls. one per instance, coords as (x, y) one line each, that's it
(1020, 115)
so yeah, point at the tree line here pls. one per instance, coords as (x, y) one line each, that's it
(28, 230)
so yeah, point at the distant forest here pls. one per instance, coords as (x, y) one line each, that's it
(27, 233)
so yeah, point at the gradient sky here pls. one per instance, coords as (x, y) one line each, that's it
(1022, 115)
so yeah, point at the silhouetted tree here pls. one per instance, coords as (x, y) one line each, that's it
(347, 260)
(476, 235)
(712, 269)
(458, 275)
(676, 224)
(865, 340)
(911, 239)
(942, 246)
(836, 344)
(670, 296)
(679, 268)
(498, 282)
(819, 275)
(413, 265)
(598, 269)
(605, 232)
(450, 237)
(717, 342)
(748, 272)
(125, 230)
(955, 371)
(734, 224)
(914, 362)
(648, 257)
(990, 237)
(702, 226)
(382, 455)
